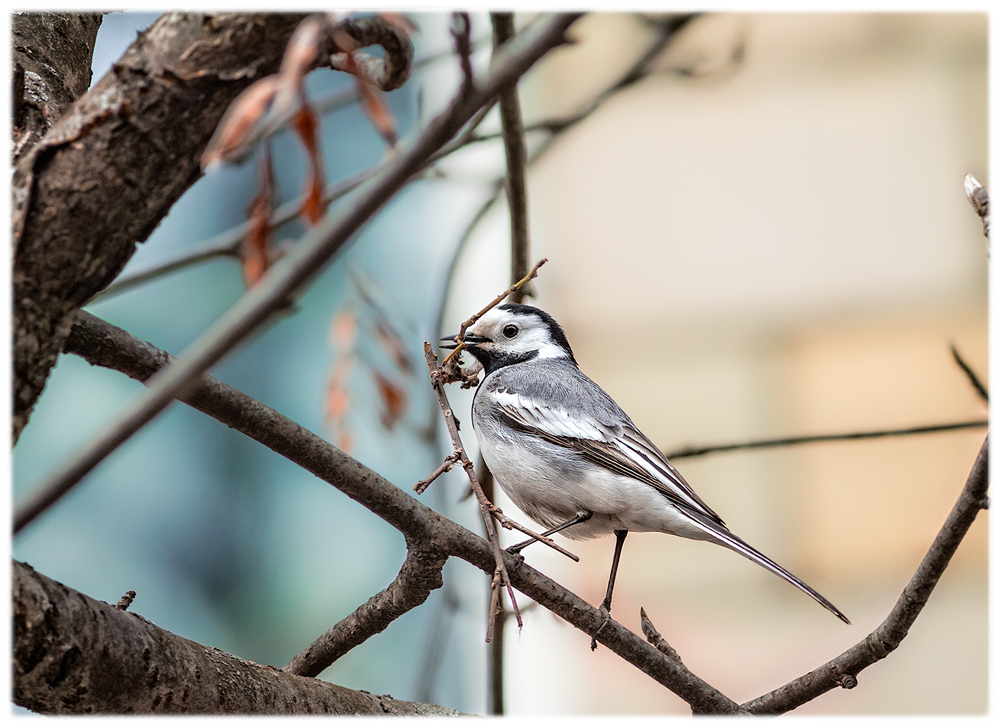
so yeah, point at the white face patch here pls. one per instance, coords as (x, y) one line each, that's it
(514, 333)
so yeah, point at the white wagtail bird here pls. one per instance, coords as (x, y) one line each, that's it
(567, 454)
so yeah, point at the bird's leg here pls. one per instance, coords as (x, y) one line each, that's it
(606, 603)
(620, 535)
(580, 517)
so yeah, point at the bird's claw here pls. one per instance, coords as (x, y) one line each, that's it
(607, 620)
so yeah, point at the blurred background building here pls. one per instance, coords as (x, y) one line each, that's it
(766, 237)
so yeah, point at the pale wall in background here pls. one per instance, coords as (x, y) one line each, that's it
(776, 247)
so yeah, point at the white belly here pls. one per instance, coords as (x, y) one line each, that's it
(552, 490)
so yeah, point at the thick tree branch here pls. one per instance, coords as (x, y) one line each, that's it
(52, 55)
(74, 654)
(112, 166)
(843, 671)
(102, 344)
(420, 574)
(300, 265)
(107, 173)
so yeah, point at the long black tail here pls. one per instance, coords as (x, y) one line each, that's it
(724, 537)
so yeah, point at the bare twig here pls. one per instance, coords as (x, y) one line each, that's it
(973, 379)
(653, 636)
(517, 158)
(808, 439)
(227, 244)
(461, 30)
(420, 574)
(669, 29)
(843, 670)
(980, 201)
(492, 304)
(515, 147)
(125, 601)
(445, 466)
(500, 574)
(294, 270)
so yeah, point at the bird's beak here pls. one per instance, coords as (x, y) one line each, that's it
(470, 341)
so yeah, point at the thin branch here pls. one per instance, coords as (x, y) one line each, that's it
(653, 636)
(461, 30)
(293, 271)
(668, 31)
(517, 158)
(102, 344)
(973, 379)
(516, 150)
(808, 439)
(420, 574)
(445, 466)
(489, 306)
(227, 244)
(484, 505)
(843, 670)
(980, 201)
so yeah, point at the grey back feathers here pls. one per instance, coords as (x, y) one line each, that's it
(567, 454)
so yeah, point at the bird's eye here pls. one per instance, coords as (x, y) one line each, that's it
(510, 330)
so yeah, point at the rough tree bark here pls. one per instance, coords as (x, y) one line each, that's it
(110, 168)
(51, 55)
(77, 655)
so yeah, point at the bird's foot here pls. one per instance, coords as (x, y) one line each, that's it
(606, 608)
(516, 549)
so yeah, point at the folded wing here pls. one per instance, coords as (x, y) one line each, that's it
(621, 448)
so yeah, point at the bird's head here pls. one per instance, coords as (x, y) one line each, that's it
(513, 333)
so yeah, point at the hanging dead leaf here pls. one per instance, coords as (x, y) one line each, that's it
(239, 128)
(306, 124)
(255, 251)
(393, 401)
(337, 396)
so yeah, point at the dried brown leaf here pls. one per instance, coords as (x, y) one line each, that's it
(393, 401)
(306, 124)
(337, 395)
(256, 243)
(238, 129)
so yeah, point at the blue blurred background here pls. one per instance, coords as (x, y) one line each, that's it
(766, 237)
(225, 542)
